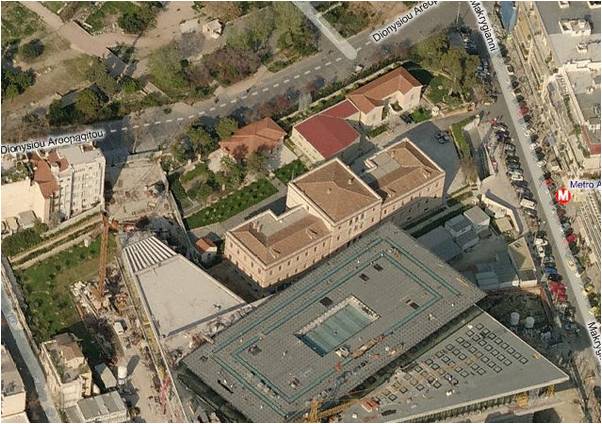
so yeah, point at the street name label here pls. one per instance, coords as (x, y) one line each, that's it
(54, 141)
(484, 25)
(397, 24)
(593, 328)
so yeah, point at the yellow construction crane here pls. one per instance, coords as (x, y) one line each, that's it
(315, 415)
(104, 253)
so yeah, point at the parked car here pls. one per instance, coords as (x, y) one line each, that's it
(541, 252)
(571, 238)
(512, 158)
(530, 212)
(516, 177)
(548, 259)
(533, 145)
(565, 227)
(540, 241)
(406, 117)
(514, 167)
(509, 148)
(550, 270)
(555, 277)
(520, 183)
(443, 137)
(541, 163)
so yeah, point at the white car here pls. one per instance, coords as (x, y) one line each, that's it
(541, 163)
(533, 145)
(541, 252)
(516, 177)
(540, 242)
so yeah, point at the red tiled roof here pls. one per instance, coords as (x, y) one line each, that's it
(372, 94)
(204, 244)
(43, 176)
(328, 135)
(260, 135)
(593, 146)
(342, 110)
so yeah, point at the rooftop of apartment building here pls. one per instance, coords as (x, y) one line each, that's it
(61, 160)
(328, 131)
(63, 349)
(475, 361)
(272, 237)
(12, 383)
(522, 259)
(586, 86)
(96, 407)
(260, 135)
(371, 95)
(336, 190)
(334, 328)
(571, 26)
(399, 169)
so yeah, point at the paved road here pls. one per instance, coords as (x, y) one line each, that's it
(545, 202)
(154, 127)
(25, 350)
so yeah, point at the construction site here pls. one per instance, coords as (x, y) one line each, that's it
(339, 342)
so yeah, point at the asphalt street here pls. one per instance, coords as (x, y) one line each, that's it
(546, 205)
(153, 128)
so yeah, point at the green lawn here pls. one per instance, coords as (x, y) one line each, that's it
(197, 171)
(421, 114)
(178, 191)
(97, 18)
(54, 6)
(290, 171)
(50, 306)
(438, 89)
(458, 134)
(18, 22)
(232, 204)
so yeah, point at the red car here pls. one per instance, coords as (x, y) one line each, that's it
(524, 110)
(549, 182)
(571, 238)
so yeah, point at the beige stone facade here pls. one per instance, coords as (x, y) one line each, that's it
(22, 196)
(68, 374)
(330, 207)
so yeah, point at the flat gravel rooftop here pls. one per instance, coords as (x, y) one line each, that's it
(334, 328)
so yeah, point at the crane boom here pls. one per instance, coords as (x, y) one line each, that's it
(104, 251)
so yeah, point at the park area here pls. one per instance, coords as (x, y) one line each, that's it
(232, 204)
(50, 308)
(290, 171)
(459, 137)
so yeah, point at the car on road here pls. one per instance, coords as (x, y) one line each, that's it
(530, 212)
(516, 177)
(571, 238)
(443, 137)
(514, 167)
(550, 270)
(555, 277)
(541, 163)
(565, 227)
(541, 252)
(520, 183)
(533, 145)
(548, 259)
(509, 148)
(540, 242)
(512, 158)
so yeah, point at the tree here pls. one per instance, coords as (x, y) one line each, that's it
(89, 104)
(31, 50)
(257, 162)
(293, 30)
(15, 81)
(98, 74)
(166, 71)
(226, 127)
(200, 141)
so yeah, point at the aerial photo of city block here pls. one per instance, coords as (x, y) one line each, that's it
(294, 211)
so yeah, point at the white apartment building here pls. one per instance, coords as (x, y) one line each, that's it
(72, 177)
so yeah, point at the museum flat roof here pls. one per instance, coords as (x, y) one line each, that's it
(477, 361)
(333, 328)
(178, 293)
